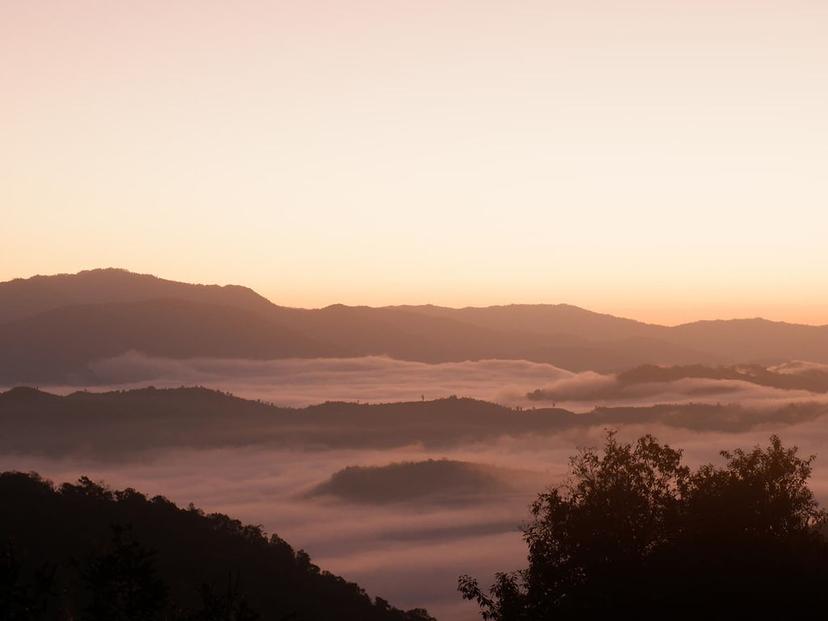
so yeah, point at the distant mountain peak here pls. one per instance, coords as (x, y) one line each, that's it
(56, 328)
(29, 296)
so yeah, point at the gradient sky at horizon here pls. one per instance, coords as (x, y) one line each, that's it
(662, 160)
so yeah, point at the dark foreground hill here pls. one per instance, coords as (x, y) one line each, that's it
(115, 425)
(84, 552)
(54, 328)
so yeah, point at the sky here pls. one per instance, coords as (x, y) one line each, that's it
(663, 160)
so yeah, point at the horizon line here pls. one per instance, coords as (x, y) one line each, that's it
(404, 305)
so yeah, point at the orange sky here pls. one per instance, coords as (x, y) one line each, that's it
(664, 160)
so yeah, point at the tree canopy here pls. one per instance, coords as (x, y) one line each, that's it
(635, 529)
(87, 553)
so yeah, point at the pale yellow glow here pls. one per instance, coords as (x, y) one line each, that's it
(665, 160)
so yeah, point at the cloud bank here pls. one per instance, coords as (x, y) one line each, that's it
(379, 379)
(298, 382)
(410, 554)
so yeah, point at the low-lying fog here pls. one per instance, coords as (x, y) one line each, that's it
(409, 552)
(300, 382)
(456, 518)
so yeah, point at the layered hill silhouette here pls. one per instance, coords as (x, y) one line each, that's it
(53, 328)
(60, 344)
(82, 551)
(121, 424)
(789, 377)
(433, 480)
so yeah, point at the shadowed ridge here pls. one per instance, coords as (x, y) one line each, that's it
(116, 425)
(454, 407)
(743, 321)
(440, 481)
(757, 340)
(434, 480)
(26, 394)
(547, 319)
(78, 528)
(61, 345)
(23, 297)
(189, 393)
(814, 380)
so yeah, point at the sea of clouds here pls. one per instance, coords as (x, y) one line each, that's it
(409, 553)
(300, 381)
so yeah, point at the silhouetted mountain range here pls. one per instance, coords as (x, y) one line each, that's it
(25, 297)
(53, 327)
(120, 424)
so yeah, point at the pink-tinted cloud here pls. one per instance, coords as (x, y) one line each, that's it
(298, 382)
(410, 554)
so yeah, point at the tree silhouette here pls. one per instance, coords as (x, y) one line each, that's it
(635, 530)
(22, 599)
(122, 582)
(168, 564)
(230, 605)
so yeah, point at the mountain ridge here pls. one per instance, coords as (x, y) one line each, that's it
(263, 302)
(120, 425)
(54, 328)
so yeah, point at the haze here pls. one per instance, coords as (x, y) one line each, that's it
(422, 289)
(657, 160)
(400, 446)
